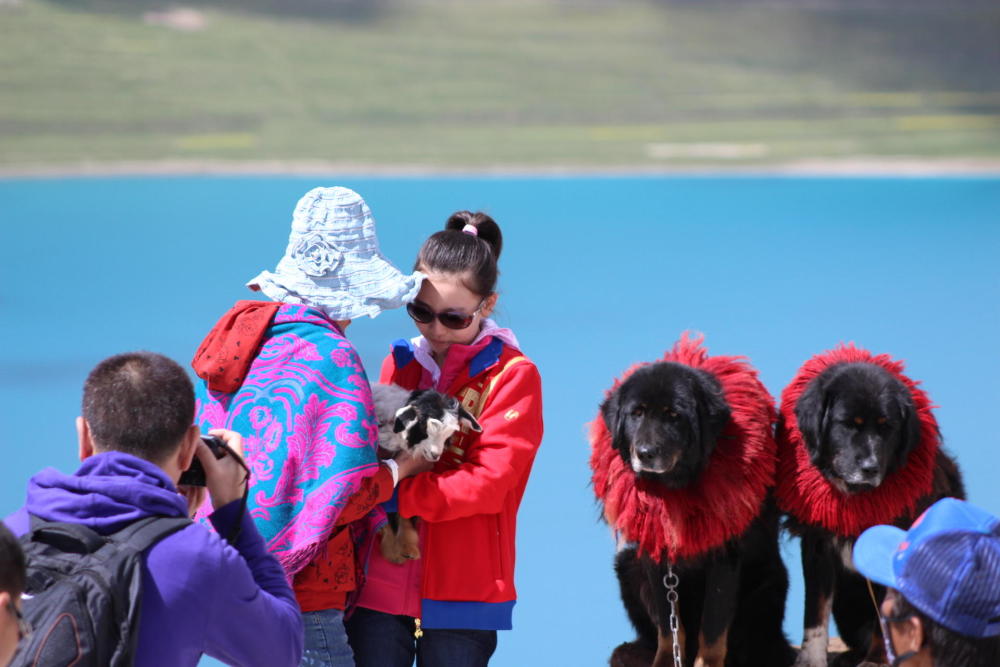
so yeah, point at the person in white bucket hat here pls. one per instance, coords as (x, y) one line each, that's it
(333, 261)
(283, 374)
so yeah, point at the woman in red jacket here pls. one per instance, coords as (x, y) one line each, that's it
(446, 607)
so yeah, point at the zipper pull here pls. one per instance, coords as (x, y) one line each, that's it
(417, 632)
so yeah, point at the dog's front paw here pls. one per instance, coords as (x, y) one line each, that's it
(808, 657)
(409, 539)
(632, 654)
(390, 547)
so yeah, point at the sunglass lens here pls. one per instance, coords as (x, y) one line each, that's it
(421, 314)
(455, 321)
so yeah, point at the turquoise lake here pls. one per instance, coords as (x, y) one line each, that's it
(597, 273)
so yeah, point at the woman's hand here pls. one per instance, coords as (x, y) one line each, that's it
(410, 465)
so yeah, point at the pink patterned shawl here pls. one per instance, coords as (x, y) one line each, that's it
(310, 434)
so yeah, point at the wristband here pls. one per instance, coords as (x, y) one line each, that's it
(394, 469)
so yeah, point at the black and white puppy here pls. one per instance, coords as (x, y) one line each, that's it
(421, 422)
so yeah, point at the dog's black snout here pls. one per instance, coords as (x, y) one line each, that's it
(868, 465)
(645, 452)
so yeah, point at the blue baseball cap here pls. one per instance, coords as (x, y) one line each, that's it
(947, 565)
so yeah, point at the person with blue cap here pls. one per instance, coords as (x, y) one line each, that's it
(942, 608)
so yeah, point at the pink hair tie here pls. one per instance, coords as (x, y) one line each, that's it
(470, 229)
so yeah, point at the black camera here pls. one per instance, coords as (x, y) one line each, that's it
(195, 475)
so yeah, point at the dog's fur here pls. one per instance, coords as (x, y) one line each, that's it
(859, 425)
(665, 421)
(422, 422)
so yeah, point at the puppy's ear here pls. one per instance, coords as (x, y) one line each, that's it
(909, 426)
(614, 420)
(811, 411)
(713, 412)
(405, 414)
(465, 416)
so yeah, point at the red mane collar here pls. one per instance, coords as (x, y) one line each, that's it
(729, 494)
(802, 490)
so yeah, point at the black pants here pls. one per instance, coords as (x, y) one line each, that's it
(384, 640)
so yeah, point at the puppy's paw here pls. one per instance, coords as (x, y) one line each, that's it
(409, 545)
(808, 658)
(409, 539)
(715, 661)
(390, 547)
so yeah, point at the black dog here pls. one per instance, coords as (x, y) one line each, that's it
(665, 421)
(859, 424)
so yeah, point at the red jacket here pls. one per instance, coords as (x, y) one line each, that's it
(468, 503)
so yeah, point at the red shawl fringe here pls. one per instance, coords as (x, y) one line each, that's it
(807, 495)
(729, 494)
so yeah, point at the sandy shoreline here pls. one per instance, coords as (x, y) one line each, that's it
(859, 166)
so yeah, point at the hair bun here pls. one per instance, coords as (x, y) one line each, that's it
(486, 228)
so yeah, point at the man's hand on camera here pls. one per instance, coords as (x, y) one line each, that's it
(411, 465)
(225, 477)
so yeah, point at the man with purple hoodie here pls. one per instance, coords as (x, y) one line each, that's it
(200, 594)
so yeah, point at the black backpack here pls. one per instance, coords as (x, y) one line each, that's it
(84, 591)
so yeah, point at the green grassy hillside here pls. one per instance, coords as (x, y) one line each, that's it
(508, 82)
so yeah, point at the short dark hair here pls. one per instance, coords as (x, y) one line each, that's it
(140, 403)
(949, 648)
(453, 251)
(11, 563)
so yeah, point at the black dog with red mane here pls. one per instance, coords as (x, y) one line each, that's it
(858, 446)
(684, 458)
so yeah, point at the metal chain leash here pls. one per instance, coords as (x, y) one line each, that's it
(670, 582)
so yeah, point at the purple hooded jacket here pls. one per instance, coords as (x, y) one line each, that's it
(200, 595)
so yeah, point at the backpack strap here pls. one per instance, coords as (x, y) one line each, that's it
(144, 533)
(77, 538)
(67, 537)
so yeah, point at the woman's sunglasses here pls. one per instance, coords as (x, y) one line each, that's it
(422, 313)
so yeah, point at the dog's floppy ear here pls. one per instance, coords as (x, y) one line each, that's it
(909, 425)
(811, 411)
(614, 420)
(713, 411)
(405, 414)
(466, 416)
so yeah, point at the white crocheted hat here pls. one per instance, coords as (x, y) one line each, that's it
(333, 260)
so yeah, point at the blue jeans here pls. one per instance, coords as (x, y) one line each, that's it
(326, 640)
(384, 640)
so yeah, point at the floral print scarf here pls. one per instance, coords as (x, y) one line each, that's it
(310, 435)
